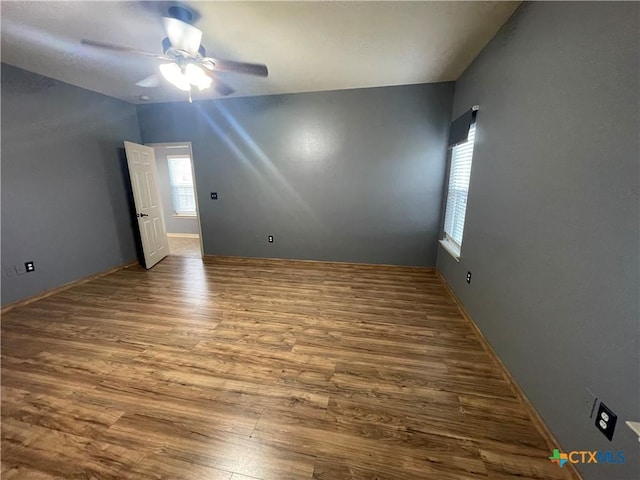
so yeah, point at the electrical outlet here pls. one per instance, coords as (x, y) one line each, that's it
(29, 266)
(606, 421)
(270, 238)
(469, 277)
(214, 195)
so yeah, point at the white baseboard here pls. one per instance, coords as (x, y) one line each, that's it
(183, 235)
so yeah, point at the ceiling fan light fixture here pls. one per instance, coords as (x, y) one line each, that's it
(185, 78)
(174, 75)
(197, 77)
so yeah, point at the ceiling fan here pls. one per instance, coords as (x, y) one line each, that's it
(184, 61)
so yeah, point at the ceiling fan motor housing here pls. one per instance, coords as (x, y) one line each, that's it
(166, 45)
(181, 13)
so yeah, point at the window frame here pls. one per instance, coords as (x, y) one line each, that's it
(176, 212)
(448, 242)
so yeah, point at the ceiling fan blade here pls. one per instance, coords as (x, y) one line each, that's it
(238, 67)
(119, 48)
(182, 35)
(149, 82)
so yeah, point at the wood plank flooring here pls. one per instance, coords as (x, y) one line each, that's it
(240, 369)
(184, 246)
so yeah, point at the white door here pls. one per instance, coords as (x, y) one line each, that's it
(144, 183)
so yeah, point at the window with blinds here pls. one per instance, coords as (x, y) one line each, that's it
(184, 201)
(459, 176)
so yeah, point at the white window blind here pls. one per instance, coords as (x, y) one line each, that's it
(184, 202)
(459, 176)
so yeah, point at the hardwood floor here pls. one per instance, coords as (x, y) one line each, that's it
(240, 369)
(184, 246)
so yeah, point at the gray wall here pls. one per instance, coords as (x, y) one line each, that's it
(352, 175)
(551, 236)
(174, 224)
(64, 197)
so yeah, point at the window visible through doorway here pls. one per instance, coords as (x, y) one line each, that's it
(181, 178)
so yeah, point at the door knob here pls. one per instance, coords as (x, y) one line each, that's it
(142, 215)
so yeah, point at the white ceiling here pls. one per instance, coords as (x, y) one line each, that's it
(308, 46)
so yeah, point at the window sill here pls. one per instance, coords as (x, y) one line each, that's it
(452, 249)
(184, 215)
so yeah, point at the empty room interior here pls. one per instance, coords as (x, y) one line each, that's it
(320, 240)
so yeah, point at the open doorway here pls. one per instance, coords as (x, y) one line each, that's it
(177, 188)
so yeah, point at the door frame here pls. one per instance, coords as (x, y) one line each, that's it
(195, 187)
